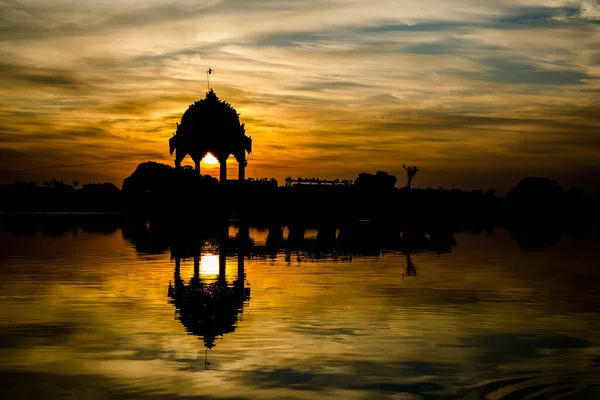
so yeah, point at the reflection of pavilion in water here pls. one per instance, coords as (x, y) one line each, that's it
(298, 244)
(207, 305)
(345, 243)
(211, 309)
(208, 309)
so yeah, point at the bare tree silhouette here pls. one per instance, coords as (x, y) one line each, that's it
(411, 171)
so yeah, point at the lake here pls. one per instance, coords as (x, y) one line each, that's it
(111, 312)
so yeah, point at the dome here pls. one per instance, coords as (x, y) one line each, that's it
(211, 116)
(211, 126)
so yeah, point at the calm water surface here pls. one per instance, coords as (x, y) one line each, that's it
(103, 315)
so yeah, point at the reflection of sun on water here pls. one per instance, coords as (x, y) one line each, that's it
(209, 264)
(210, 159)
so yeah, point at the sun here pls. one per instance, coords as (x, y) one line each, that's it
(209, 264)
(210, 159)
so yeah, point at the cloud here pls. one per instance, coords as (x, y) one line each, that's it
(588, 10)
(443, 84)
(39, 76)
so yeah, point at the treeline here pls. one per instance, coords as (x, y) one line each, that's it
(59, 196)
(155, 189)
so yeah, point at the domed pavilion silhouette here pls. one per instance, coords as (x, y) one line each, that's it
(211, 125)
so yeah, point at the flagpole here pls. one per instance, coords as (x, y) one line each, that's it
(207, 79)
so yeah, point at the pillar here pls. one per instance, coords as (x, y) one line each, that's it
(197, 166)
(223, 174)
(223, 244)
(295, 236)
(197, 266)
(242, 170)
(240, 275)
(275, 237)
(243, 235)
(222, 265)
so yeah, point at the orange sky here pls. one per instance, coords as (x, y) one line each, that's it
(477, 95)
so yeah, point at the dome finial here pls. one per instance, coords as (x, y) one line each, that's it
(210, 70)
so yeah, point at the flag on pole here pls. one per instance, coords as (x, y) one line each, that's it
(209, 72)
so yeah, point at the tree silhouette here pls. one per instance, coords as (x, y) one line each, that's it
(411, 171)
(380, 181)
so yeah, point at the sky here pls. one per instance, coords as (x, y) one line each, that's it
(476, 93)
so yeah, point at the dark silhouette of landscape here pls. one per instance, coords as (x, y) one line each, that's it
(182, 196)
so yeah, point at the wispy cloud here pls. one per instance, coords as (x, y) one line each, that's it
(330, 88)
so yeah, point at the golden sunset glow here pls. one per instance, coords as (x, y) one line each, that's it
(209, 264)
(477, 95)
(332, 314)
(210, 159)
